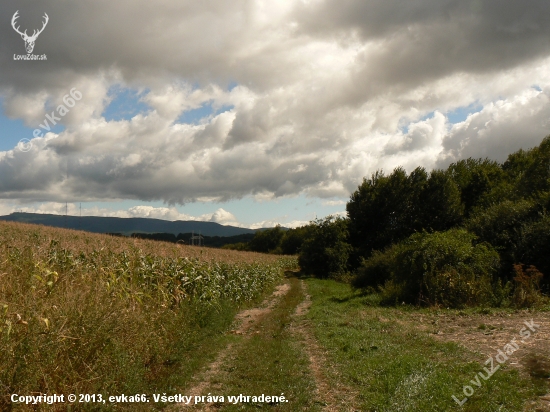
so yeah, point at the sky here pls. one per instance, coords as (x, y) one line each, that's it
(257, 112)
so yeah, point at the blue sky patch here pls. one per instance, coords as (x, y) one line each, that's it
(232, 85)
(454, 116)
(13, 130)
(194, 116)
(125, 104)
(460, 114)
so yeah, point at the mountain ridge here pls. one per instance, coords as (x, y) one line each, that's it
(127, 226)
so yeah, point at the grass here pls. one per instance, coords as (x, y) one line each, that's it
(394, 367)
(271, 362)
(88, 313)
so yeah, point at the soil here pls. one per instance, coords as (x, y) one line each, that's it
(334, 398)
(244, 322)
(247, 318)
(485, 334)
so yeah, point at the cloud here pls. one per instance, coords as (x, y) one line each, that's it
(221, 216)
(500, 128)
(421, 40)
(421, 135)
(318, 94)
(334, 202)
(273, 223)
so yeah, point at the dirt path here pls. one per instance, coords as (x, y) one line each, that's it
(244, 322)
(327, 394)
(248, 318)
(333, 397)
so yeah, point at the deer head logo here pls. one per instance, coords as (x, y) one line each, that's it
(29, 40)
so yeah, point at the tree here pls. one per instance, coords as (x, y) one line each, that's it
(388, 209)
(293, 239)
(440, 203)
(475, 179)
(503, 226)
(536, 178)
(380, 210)
(267, 241)
(326, 251)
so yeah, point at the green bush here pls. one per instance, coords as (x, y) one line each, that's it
(376, 270)
(326, 251)
(441, 268)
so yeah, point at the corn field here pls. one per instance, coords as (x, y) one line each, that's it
(85, 313)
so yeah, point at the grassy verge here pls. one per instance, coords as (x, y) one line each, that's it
(394, 367)
(271, 362)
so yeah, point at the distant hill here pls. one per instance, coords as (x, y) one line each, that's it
(126, 226)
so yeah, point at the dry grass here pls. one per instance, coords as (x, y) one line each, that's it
(486, 332)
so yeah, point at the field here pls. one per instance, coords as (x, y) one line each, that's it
(409, 359)
(85, 313)
(93, 314)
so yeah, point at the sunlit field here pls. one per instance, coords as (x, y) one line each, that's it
(88, 313)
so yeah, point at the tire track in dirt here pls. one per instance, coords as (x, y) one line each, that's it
(243, 321)
(331, 393)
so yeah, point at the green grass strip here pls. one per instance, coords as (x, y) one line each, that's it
(394, 367)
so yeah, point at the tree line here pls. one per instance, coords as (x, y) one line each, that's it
(185, 238)
(475, 233)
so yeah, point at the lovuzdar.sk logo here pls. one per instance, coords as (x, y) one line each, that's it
(29, 40)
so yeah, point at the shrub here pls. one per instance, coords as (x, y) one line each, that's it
(527, 286)
(376, 270)
(533, 248)
(441, 268)
(326, 251)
